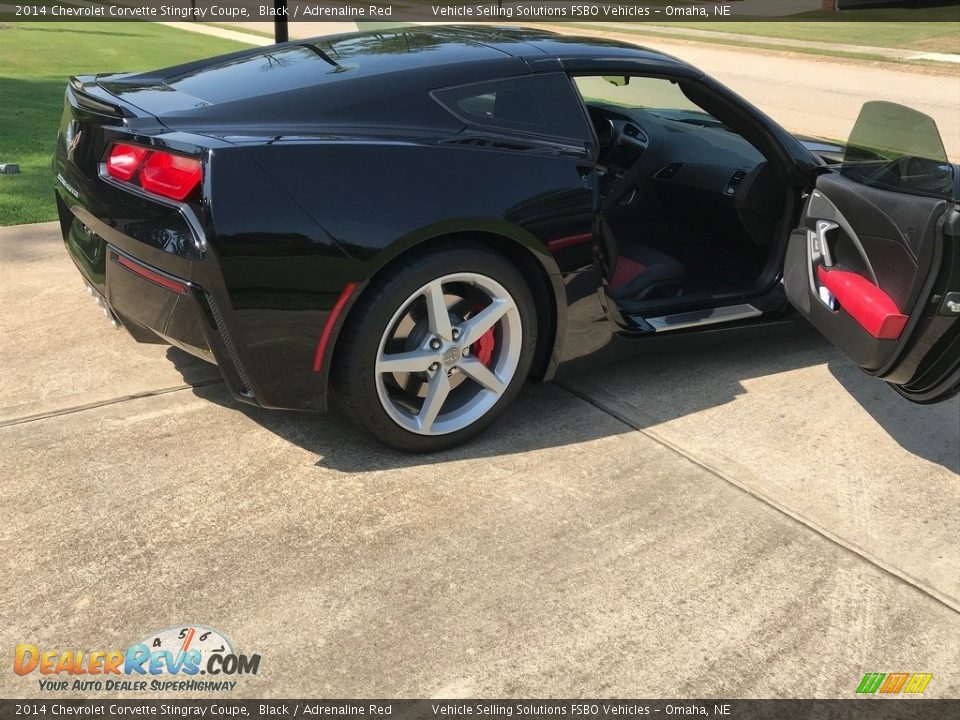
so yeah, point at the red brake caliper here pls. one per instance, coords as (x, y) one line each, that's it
(482, 349)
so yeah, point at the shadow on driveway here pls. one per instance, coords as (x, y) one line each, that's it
(935, 440)
(686, 374)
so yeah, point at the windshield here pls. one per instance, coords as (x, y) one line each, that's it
(656, 96)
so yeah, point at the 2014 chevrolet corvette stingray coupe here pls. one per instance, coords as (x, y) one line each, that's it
(416, 222)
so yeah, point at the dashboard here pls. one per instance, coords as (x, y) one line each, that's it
(686, 149)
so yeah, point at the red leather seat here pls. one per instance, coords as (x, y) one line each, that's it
(642, 273)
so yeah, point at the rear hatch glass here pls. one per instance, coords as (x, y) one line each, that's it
(285, 68)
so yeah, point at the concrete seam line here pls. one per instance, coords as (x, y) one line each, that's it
(104, 403)
(942, 598)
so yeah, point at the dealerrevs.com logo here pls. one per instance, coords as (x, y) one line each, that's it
(185, 658)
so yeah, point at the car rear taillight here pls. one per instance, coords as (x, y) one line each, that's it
(173, 176)
(156, 171)
(124, 161)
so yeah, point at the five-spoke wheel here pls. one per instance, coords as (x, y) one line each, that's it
(448, 353)
(452, 351)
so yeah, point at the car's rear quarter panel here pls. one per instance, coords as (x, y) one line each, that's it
(378, 199)
(347, 210)
(281, 275)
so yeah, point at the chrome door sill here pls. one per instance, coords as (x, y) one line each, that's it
(694, 318)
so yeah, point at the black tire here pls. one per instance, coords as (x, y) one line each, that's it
(353, 376)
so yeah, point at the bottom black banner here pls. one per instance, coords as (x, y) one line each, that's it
(853, 709)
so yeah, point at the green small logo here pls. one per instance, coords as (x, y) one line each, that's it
(894, 683)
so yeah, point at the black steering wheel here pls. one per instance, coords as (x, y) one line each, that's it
(627, 143)
(640, 165)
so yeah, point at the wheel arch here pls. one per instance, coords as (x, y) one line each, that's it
(527, 253)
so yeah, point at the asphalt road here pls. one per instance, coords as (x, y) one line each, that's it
(739, 513)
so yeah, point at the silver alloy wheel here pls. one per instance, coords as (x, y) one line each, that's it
(435, 384)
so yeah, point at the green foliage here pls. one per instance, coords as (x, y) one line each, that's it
(36, 59)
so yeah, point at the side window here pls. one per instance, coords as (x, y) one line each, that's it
(538, 104)
(897, 148)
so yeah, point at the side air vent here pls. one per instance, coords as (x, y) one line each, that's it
(634, 132)
(734, 182)
(668, 172)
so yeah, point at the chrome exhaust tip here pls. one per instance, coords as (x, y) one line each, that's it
(102, 304)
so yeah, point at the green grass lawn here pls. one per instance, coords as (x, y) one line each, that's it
(35, 61)
(920, 36)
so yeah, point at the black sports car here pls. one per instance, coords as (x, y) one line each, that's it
(414, 223)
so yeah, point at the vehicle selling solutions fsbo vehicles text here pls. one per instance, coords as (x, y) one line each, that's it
(586, 10)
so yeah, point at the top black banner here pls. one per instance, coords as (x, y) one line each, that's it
(654, 11)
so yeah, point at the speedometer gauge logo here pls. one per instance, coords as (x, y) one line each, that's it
(199, 638)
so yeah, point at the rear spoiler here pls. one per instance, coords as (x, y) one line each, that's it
(90, 96)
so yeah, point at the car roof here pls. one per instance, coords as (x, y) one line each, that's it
(453, 44)
(373, 78)
(446, 51)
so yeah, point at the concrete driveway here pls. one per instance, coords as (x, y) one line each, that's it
(731, 514)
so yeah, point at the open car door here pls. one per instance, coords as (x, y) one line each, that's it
(875, 263)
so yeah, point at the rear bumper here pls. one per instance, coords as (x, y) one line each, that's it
(155, 295)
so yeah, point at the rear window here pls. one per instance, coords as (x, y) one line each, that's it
(312, 64)
(270, 72)
(538, 104)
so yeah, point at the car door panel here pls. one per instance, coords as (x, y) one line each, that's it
(838, 326)
(873, 264)
(876, 253)
(886, 236)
